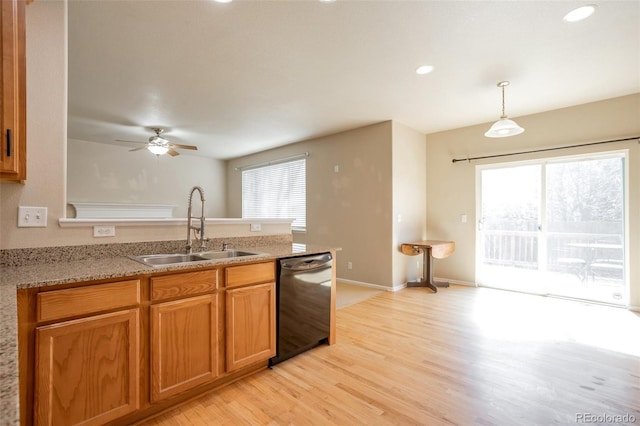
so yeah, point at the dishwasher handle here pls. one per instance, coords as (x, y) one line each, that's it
(307, 263)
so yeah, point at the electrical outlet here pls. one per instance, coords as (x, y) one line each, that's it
(104, 231)
(349, 265)
(255, 227)
(32, 217)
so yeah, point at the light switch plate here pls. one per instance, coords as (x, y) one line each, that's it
(32, 217)
(255, 227)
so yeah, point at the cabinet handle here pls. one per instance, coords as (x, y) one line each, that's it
(8, 142)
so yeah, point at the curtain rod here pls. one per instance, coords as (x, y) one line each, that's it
(469, 159)
(272, 162)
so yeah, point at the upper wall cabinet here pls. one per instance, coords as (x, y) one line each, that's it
(13, 145)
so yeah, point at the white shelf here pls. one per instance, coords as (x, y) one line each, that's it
(88, 222)
(122, 211)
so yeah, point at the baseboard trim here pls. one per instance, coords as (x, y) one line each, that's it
(634, 308)
(456, 282)
(369, 285)
(401, 286)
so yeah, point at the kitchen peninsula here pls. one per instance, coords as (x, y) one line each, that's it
(41, 277)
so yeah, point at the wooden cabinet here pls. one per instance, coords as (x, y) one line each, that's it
(13, 92)
(116, 352)
(250, 314)
(87, 369)
(256, 273)
(184, 333)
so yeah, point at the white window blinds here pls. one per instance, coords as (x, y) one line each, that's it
(276, 191)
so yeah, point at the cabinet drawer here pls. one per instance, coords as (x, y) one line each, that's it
(91, 299)
(250, 274)
(187, 284)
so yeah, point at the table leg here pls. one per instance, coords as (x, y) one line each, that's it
(427, 274)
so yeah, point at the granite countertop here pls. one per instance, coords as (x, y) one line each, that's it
(52, 273)
(56, 273)
(9, 388)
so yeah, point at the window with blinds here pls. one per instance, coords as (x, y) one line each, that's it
(276, 191)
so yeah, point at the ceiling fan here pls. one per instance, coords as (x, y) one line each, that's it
(159, 145)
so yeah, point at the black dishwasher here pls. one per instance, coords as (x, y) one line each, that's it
(304, 304)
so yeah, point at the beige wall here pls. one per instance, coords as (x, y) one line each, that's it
(46, 129)
(409, 200)
(381, 176)
(451, 188)
(351, 209)
(110, 174)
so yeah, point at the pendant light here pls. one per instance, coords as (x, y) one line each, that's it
(503, 127)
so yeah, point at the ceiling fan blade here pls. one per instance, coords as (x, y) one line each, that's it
(138, 149)
(173, 152)
(177, 145)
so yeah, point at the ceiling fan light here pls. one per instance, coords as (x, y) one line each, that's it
(158, 149)
(503, 128)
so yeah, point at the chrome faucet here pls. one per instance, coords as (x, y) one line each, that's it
(200, 229)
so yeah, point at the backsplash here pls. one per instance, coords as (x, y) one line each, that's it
(39, 255)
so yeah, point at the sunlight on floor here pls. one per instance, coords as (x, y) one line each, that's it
(514, 316)
(598, 289)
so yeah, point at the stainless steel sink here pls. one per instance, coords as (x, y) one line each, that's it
(225, 254)
(180, 258)
(168, 259)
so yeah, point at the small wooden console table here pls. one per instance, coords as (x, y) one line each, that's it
(430, 249)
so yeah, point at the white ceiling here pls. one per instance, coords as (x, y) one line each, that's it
(246, 76)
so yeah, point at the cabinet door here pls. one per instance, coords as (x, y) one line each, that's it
(184, 345)
(87, 370)
(250, 325)
(13, 92)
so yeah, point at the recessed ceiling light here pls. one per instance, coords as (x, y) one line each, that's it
(424, 69)
(223, 1)
(580, 13)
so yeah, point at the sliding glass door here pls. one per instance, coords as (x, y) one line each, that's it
(509, 226)
(585, 228)
(555, 227)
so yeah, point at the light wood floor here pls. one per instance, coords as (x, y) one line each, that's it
(348, 294)
(463, 356)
